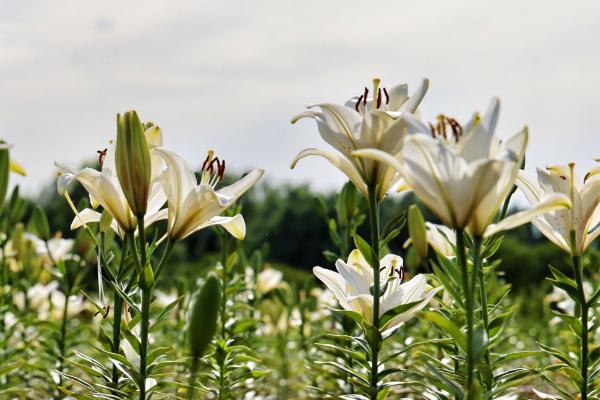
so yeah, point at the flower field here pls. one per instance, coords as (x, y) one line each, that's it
(110, 299)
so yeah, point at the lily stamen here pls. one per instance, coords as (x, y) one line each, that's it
(358, 102)
(210, 174)
(387, 96)
(101, 155)
(441, 128)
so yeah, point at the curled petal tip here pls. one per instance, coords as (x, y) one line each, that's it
(305, 114)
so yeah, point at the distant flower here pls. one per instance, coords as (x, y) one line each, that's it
(364, 122)
(584, 215)
(194, 206)
(58, 249)
(351, 285)
(268, 279)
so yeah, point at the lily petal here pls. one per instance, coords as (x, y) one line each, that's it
(552, 202)
(338, 161)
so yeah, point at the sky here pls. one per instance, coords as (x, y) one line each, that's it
(229, 75)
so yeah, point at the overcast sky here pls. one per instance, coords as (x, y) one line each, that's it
(229, 75)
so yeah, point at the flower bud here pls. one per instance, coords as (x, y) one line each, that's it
(417, 231)
(18, 240)
(146, 277)
(40, 223)
(133, 163)
(203, 316)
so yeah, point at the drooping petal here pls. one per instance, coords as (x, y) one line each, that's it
(88, 216)
(237, 189)
(551, 202)
(399, 319)
(200, 205)
(335, 283)
(236, 226)
(338, 161)
(178, 179)
(159, 215)
(111, 198)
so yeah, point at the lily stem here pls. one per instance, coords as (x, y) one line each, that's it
(462, 260)
(478, 266)
(374, 220)
(192, 379)
(117, 315)
(578, 271)
(145, 320)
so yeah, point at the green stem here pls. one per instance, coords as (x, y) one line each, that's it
(62, 343)
(117, 315)
(578, 270)
(374, 220)
(462, 260)
(224, 282)
(478, 266)
(192, 379)
(145, 321)
(145, 318)
(142, 238)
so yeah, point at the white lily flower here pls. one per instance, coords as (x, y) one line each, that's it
(268, 279)
(464, 177)
(441, 239)
(364, 122)
(58, 249)
(193, 207)
(105, 189)
(584, 215)
(351, 285)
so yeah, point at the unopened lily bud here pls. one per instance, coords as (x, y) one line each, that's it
(134, 167)
(39, 220)
(417, 231)
(4, 169)
(203, 316)
(146, 277)
(105, 221)
(18, 239)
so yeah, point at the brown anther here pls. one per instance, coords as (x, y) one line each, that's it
(205, 162)
(456, 128)
(442, 126)
(221, 170)
(387, 96)
(365, 96)
(432, 127)
(378, 97)
(400, 272)
(564, 178)
(104, 312)
(101, 155)
(358, 102)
